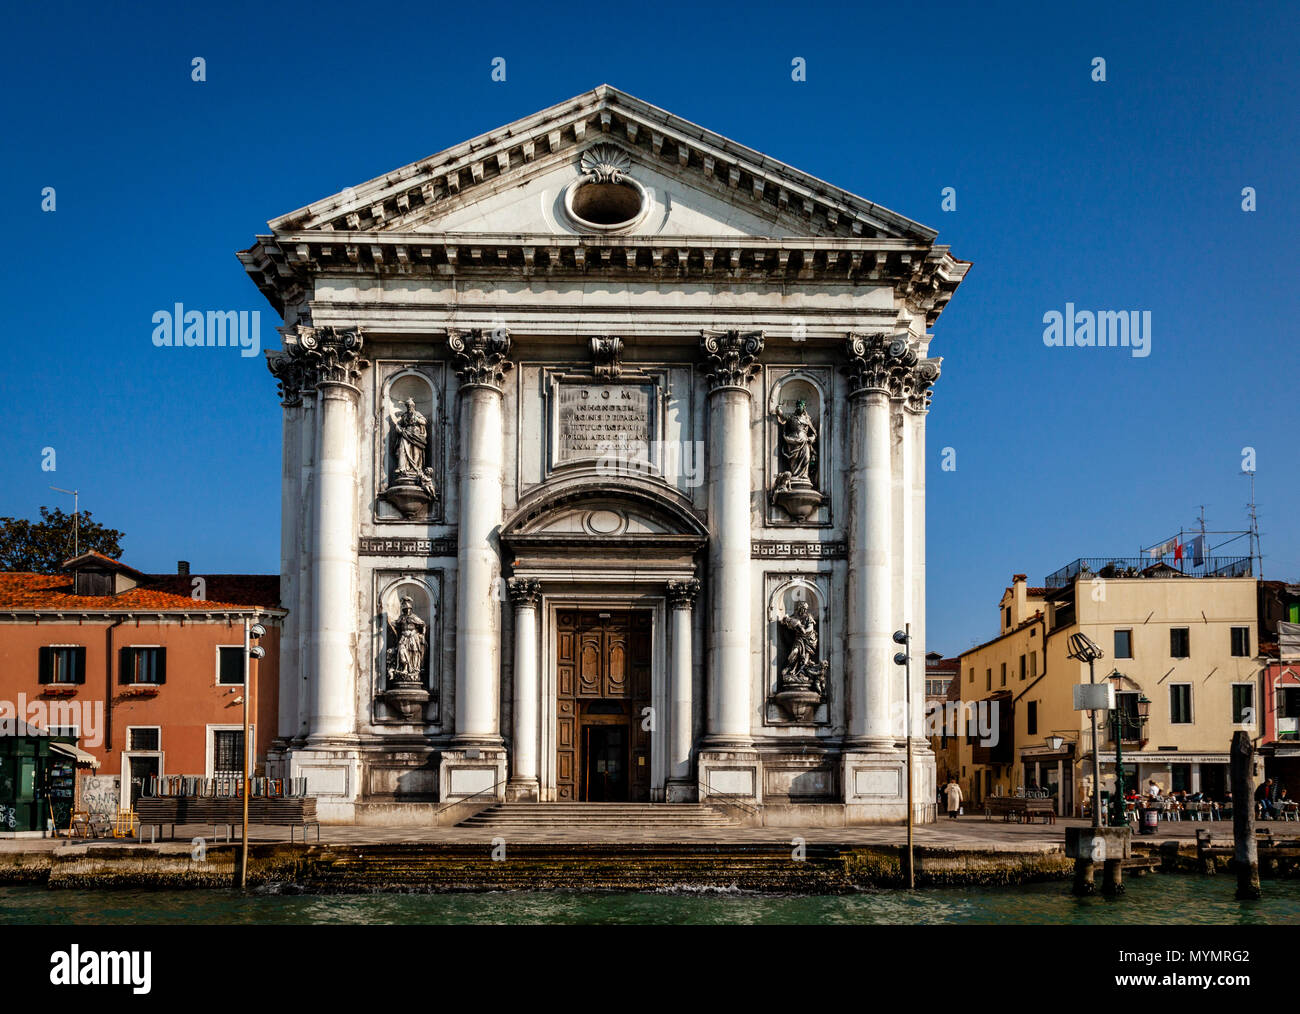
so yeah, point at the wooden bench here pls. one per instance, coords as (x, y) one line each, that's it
(1020, 808)
(226, 811)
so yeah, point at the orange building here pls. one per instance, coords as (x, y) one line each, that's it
(147, 671)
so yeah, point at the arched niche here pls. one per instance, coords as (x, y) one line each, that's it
(799, 468)
(424, 605)
(410, 450)
(798, 673)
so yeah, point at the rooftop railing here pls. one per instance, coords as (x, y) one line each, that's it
(1145, 566)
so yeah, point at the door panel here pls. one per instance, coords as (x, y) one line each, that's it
(602, 657)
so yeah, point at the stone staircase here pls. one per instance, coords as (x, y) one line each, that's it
(629, 816)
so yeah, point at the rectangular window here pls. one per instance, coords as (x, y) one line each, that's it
(972, 674)
(1288, 702)
(1180, 640)
(1004, 674)
(230, 666)
(1024, 668)
(1031, 719)
(227, 753)
(1241, 642)
(143, 665)
(144, 737)
(1033, 665)
(62, 664)
(1008, 617)
(988, 679)
(1243, 704)
(1123, 644)
(1180, 703)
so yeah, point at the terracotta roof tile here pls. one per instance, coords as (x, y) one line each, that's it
(21, 592)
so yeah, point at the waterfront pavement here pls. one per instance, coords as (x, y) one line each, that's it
(971, 833)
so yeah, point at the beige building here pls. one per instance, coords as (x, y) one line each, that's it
(1189, 645)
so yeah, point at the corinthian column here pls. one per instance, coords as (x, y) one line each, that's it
(287, 369)
(872, 359)
(681, 597)
(524, 593)
(481, 365)
(332, 361)
(731, 361)
(916, 406)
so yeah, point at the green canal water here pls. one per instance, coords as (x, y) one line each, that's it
(1170, 900)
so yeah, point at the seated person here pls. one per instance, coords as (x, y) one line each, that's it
(1264, 800)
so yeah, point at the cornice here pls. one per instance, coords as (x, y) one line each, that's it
(925, 277)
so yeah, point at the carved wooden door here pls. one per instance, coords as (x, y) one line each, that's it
(603, 669)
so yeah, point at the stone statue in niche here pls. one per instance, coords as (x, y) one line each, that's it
(794, 490)
(802, 684)
(411, 488)
(406, 658)
(409, 636)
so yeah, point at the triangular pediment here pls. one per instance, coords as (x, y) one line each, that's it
(513, 180)
(603, 184)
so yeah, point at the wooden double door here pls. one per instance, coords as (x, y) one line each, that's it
(603, 689)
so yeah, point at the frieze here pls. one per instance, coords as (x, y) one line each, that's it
(406, 547)
(799, 550)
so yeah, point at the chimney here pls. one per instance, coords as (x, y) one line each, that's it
(1020, 598)
(183, 568)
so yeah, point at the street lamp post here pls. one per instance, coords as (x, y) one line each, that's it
(904, 658)
(1085, 649)
(1120, 722)
(252, 652)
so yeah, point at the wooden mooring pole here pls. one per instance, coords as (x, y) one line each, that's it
(1246, 855)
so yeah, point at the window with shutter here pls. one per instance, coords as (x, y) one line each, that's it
(144, 665)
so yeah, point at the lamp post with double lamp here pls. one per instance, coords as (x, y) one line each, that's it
(904, 658)
(252, 652)
(1119, 722)
(1085, 649)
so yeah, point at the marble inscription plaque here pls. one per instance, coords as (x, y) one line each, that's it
(597, 420)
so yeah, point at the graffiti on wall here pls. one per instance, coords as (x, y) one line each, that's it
(100, 793)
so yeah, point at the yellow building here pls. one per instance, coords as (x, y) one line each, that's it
(1188, 644)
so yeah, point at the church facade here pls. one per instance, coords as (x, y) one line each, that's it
(603, 476)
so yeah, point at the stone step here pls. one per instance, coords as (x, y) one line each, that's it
(629, 815)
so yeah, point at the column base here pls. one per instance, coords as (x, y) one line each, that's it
(523, 790)
(333, 773)
(875, 784)
(472, 771)
(730, 772)
(681, 792)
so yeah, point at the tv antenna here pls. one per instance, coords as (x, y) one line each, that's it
(1253, 514)
(76, 518)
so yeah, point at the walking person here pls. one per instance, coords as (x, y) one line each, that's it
(953, 792)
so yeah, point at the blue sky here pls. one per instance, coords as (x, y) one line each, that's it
(1121, 195)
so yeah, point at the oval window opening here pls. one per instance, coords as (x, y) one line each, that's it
(606, 203)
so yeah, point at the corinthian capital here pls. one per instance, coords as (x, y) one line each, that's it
(480, 356)
(524, 591)
(288, 371)
(879, 363)
(923, 378)
(681, 594)
(731, 357)
(313, 356)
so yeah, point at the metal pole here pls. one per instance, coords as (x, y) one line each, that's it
(1121, 807)
(907, 696)
(1096, 756)
(243, 858)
